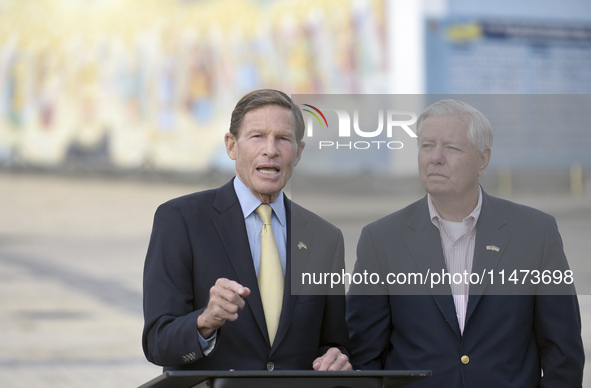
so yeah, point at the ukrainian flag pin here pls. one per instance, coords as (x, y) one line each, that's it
(302, 245)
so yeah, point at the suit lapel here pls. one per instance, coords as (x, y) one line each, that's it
(424, 245)
(232, 231)
(492, 230)
(299, 257)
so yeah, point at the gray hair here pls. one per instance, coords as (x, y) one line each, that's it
(263, 97)
(479, 129)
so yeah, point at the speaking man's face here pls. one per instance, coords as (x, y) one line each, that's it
(449, 164)
(263, 151)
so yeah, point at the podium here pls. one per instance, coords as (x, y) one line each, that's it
(286, 379)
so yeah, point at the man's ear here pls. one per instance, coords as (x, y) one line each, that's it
(298, 153)
(231, 144)
(484, 160)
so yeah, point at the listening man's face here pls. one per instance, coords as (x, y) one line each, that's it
(263, 151)
(449, 164)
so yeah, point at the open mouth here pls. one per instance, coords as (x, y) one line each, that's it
(268, 170)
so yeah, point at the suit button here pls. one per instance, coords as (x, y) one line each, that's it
(465, 359)
(270, 366)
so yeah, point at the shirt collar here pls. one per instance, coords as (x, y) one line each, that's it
(249, 203)
(471, 219)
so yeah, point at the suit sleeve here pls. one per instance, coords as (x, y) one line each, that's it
(368, 316)
(557, 322)
(334, 327)
(170, 334)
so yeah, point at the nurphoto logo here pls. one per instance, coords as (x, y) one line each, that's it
(395, 123)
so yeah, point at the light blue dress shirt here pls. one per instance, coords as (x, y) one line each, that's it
(254, 225)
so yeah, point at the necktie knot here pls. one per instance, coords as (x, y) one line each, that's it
(264, 212)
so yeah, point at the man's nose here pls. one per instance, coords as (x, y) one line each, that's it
(437, 155)
(271, 149)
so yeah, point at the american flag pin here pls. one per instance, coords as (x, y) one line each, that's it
(493, 248)
(302, 245)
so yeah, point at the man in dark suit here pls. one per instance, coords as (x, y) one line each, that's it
(206, 306)
(522, 333)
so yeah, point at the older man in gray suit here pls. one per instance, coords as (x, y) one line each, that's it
(469, 335)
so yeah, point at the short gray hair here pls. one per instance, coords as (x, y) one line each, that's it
(263, 97)
(479, 129)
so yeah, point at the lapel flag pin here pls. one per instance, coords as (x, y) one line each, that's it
(492, 248)
(302, 245)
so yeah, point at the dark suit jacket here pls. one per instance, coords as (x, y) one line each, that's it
(508, 338)
(201, 237)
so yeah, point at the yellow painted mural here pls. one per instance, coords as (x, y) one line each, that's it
(151, 84)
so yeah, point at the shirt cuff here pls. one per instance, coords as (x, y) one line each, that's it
(207, 345)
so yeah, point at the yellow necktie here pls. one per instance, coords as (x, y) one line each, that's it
(271, 277)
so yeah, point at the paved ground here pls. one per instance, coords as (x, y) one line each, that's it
(71, 257)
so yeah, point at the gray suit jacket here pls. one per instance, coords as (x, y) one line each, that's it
(512, 331)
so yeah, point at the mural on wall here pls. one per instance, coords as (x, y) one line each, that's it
(108, 83)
